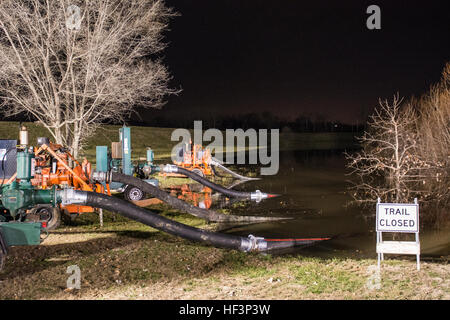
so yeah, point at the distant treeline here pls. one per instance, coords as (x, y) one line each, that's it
(264, 120)
(252, 120)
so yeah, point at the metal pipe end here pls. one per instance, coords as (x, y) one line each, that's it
(170, 168)
(71, 196)
(252, 243)
(258, 195)
(101, 176)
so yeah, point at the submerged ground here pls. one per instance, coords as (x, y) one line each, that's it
(127, 260)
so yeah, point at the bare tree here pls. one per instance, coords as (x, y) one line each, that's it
(74, 64)
(388, 166)
(406, 152)
(433, 143)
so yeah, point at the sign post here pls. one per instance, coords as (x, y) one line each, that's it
(397, 217)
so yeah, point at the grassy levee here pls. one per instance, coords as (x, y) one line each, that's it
(159, 139)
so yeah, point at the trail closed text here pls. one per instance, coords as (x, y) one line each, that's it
(393, 217)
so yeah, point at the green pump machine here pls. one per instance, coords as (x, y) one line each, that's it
(18, 196)
(118, 159)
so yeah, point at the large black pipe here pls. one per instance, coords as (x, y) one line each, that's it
(214, 186)
(149, 218)
(208, 215)
(156, 221)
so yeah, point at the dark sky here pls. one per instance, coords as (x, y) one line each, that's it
(296, 57)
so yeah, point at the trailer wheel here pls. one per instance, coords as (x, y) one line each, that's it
(132, 193)
(46, 213)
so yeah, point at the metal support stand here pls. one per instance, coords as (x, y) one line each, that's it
(100, 216)
(418, 244)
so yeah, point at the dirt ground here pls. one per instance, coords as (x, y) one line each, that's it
(126, 260)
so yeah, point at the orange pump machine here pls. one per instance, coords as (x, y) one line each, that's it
(52, 167)
(195, 158)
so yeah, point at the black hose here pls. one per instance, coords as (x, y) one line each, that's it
(149, 218)
(220, 240)
(214, 186)
(208, 215)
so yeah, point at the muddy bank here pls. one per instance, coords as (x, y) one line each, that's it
(125, 260)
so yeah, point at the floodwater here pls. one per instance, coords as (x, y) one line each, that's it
(313, 187)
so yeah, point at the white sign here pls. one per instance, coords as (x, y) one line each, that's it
(398, 247)
(396, 217)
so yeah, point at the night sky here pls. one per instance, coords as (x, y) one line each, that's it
(301, 57)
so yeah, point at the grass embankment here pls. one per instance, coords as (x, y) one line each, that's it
(128, 260)
(159, 139)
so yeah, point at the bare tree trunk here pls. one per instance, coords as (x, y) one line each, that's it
(59, 132)
(397, 162)
(75, 147)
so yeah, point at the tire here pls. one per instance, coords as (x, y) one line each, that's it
(46, 213)
(198, 172)
(133, 193)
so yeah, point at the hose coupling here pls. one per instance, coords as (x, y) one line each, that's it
(170, 168)
(102, 176)
(71, 196)
(252, 243)
(258, 195)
